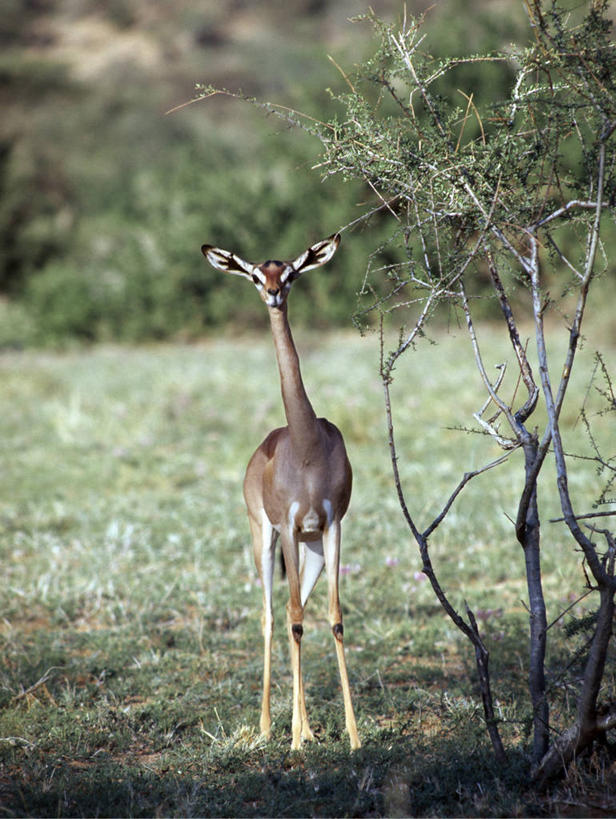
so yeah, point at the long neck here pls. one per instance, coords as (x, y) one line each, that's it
(301, 418)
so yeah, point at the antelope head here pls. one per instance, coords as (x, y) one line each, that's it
(273, 279)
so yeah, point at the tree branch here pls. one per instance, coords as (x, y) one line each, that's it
(468, 476)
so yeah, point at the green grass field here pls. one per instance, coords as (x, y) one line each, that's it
(130, 646)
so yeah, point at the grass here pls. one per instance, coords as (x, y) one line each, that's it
(130, 648)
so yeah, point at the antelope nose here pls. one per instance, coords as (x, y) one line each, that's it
(273, 292)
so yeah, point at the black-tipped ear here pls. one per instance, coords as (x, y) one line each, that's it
(316, 255)
(227, 262)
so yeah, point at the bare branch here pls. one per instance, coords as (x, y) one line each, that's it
(554, 405)
(573, 203)
(366, 216)
(468, 476)
(564, 259)
(470, 629)
(503, 407)
(586, 517)
(525, 369)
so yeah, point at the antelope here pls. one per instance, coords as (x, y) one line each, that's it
(297, 488)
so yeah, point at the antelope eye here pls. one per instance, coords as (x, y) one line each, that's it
(256, 279)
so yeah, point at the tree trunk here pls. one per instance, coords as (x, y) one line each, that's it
(588, 726)
(529, 537)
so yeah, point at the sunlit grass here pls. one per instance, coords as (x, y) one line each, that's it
(130, 634)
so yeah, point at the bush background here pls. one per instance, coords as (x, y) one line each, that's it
(105, 200)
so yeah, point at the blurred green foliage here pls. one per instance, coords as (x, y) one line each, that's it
(105, 201)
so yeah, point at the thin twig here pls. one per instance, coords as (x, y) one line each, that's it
(573, 203)
(586, 517)
(568, 609)
(345, 76)
(468, 476)
(504, 408)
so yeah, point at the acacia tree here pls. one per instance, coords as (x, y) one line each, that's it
(516, 192)
(519, 190)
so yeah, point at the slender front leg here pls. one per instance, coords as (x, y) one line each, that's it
(311, 568)
(300, 728)
(264, 543)
(331, 548)
(295, 638)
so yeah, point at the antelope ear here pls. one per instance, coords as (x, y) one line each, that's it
(228, 262)
(316, 255)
